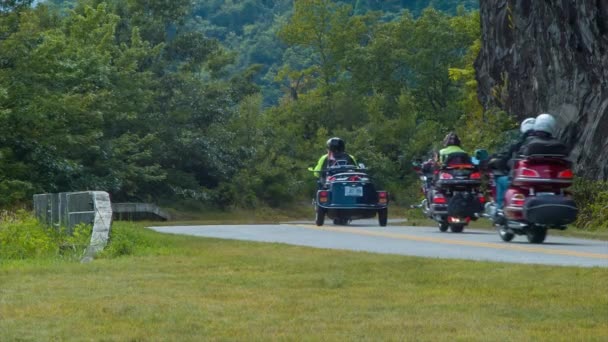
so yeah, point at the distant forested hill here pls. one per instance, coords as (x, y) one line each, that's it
(249, 27)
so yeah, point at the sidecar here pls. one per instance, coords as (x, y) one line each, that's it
(349, 194)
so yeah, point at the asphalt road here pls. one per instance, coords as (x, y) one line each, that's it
(366, 235)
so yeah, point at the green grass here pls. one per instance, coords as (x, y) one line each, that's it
(242, 216)
(177, 288)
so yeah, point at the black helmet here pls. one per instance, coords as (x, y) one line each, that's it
(335, 145)
(451, 139)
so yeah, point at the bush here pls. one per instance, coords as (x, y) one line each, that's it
(23, 237)
(127, 238)
(591, 198)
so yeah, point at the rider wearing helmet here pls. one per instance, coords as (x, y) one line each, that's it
(545, 131)
(545, 126)
(335, 153)
(451, 144)
(502, 183)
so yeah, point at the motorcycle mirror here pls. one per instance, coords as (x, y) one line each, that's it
(361, 166)
(481, 154)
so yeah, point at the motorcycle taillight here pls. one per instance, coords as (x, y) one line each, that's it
(518, 200)
(565, 174)
(439, 200)
(529, 173)
(475, 175)
(323, 196)
(382, 197)
(445, 175)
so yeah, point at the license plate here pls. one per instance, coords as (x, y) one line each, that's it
(356, 191)
(545, 194)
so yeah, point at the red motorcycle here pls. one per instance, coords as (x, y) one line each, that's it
(537, 198)
(452, 195)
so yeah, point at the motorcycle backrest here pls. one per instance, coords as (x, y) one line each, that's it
(349, 176)
(333, 170)
(458, 159)
(548, 159)
(544, 147)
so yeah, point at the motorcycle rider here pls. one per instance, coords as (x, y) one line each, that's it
(544, 129)
(335, 152)
(504, 160)
(451, 144)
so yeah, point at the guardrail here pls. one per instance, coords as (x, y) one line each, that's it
(137, 211)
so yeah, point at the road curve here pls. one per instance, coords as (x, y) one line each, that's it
(415, 241)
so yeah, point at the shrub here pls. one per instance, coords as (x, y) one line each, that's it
(23, 237)
(127, 238)
(591, 198)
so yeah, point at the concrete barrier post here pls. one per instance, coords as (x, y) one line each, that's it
(101, 225)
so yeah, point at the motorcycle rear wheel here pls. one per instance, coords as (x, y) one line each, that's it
(443, 227)
(382, 217)
(536, 234)
(457, 228)
(319, 216)
(505, 234)
(341, 221)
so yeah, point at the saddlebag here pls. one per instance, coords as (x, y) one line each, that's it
(552, 210)
(464, 205)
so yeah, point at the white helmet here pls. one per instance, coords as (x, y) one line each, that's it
(545, 123)
(527, 125)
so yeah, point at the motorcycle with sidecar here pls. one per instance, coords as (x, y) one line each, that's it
(347, 192)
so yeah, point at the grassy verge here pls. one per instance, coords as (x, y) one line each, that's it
(304, 211)
(184, 288)
(243, 216)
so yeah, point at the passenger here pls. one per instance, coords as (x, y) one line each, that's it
(544, 129)
(451, 144)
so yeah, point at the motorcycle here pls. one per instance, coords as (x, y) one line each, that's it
(452, 193)
(537, 198)
(346, 193)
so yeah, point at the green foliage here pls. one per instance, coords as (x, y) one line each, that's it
(23, 237)
(591, 197)
(113, 96)
(127, 238)
(169, 100)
